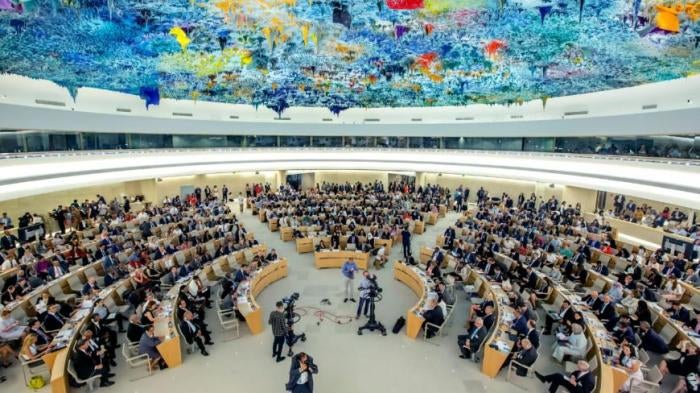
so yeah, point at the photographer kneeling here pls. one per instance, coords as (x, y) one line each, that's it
(301, 374)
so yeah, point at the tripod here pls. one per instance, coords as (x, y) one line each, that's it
(372, 324)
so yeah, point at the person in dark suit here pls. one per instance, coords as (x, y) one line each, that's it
(134, 331)
(104, 336)
(519, 324)
(434, 316)
(53, 320)
(85, 366)
(533, 336)
(601, 269)
(8, 241)
(242, 274)
(526, 356)
(437, 256)
(580, 381)
(193, 333)
(592, 301)
(489, 318)
(90, 287)
(470, 343)
(607, 310)
(301, 373)
(42, 338)
(652, 341)
(566, 313)
(679, 313)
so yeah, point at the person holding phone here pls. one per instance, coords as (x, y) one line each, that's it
(301, 374)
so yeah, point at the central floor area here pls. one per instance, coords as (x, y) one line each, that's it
(348, 363)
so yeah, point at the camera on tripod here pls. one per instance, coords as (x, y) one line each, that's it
(292, 318)
(374, 289)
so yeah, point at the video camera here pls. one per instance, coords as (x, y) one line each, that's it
(374, 288)
(289, 313)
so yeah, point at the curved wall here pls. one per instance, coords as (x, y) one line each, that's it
(663, 108)
(670, 183)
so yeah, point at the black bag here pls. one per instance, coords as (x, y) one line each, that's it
(398, 325)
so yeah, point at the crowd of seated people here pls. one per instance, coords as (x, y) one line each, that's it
(141, 247)
(671, 220)
(549, 245)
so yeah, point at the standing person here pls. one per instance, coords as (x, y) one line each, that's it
(348, 270)
(279, 331)
(365, 285)
(224, 193)
(301, 374)
(241, 202)
(406, 242)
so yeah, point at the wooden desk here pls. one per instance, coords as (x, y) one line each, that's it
(418, 227)
(431, 218)
(305, 245)
(262, 216)
(387, 243)
(418, 283)
(57, 361)
(336, 258)
(609, 378)
(166, 326)
(273, 224)
(286, 234)
(250, 309)
(442, 211)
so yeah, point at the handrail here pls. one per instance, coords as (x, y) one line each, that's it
(87, 153)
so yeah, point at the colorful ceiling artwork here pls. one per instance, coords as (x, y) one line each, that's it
(350, 53)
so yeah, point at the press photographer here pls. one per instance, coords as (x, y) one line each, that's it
(301, 373)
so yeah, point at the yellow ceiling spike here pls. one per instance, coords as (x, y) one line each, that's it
(180, 36)
(305, 33)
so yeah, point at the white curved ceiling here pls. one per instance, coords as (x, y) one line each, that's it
(671, 107)
(671, 183)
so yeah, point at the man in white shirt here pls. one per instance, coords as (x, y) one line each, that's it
(381, 258)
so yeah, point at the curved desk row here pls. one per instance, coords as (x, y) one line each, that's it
(609, 378)
(260, 279)
(415, 279)
(336, 258)
(65, 340)
(308, 244)
(497, 345)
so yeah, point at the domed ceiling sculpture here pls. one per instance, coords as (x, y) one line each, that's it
(350, 53)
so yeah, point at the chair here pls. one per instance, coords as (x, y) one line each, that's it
(133, 358)
(228, 323)
(31, 368)
(189, 348)
(641, 386)
(90, 382)
(668, 332)
(653, 375)
(643, 356)
(529, 370)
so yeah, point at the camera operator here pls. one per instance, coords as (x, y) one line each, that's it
(279, 330)
(301, 374)
(365, 287)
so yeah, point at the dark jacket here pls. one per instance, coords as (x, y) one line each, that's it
(585, 383)
(83, 364)
(294, 373)
(526, 357)
(653, 342)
